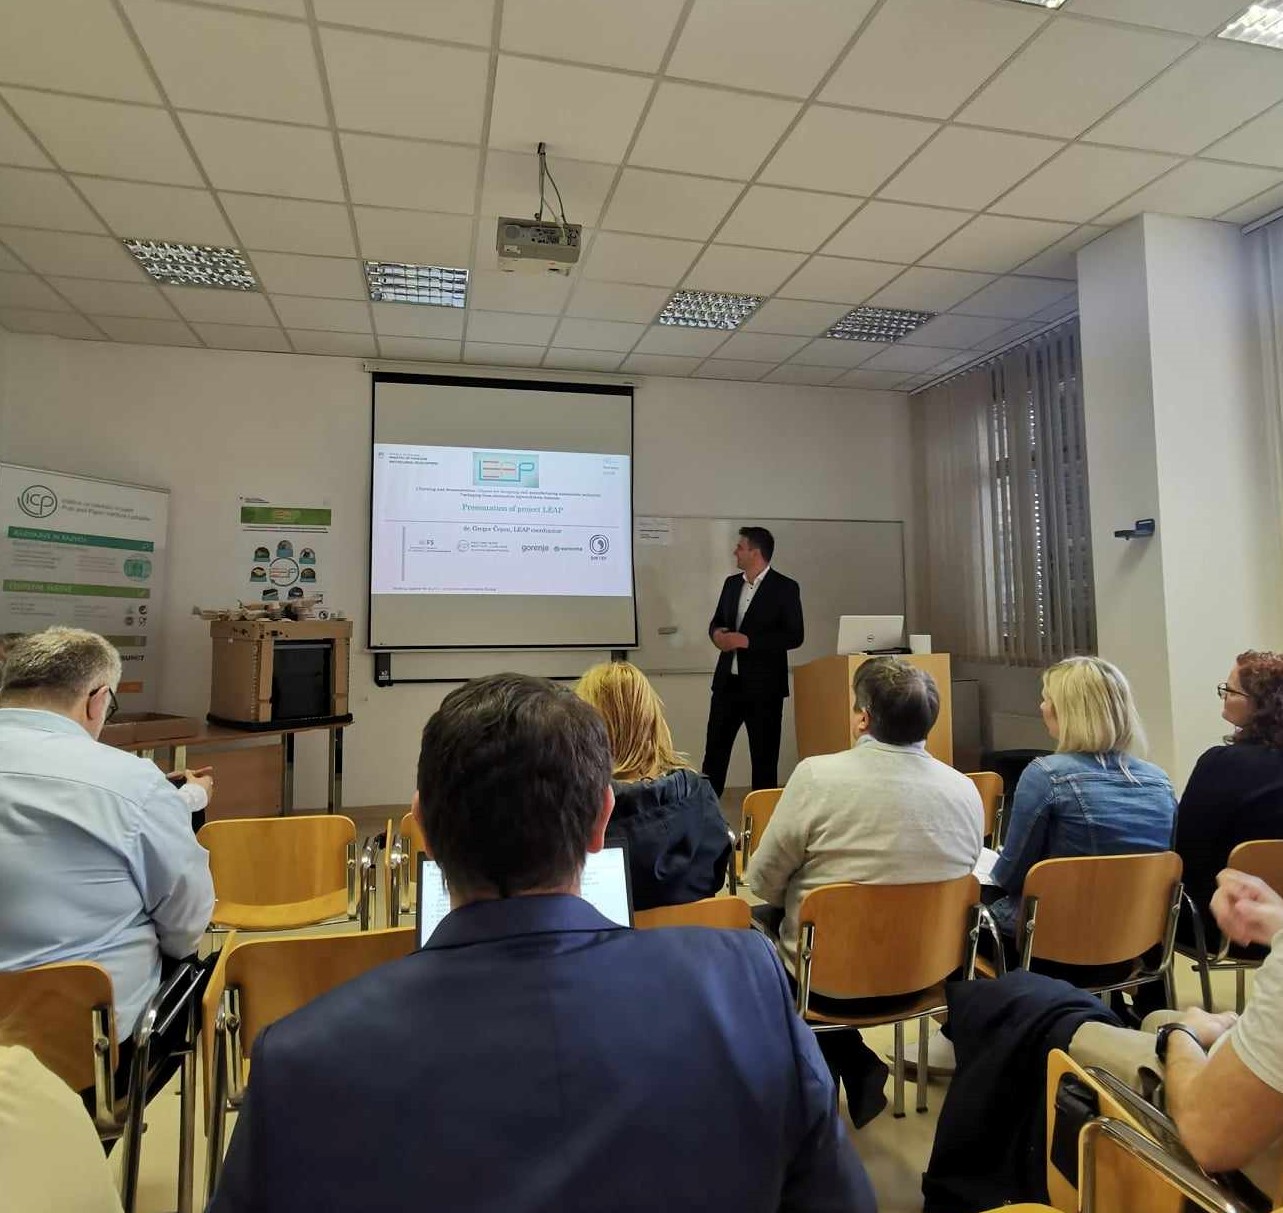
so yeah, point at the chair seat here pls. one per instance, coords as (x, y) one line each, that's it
(930, 1001)
(280, 917)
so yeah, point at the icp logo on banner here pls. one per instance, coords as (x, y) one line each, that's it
(38, 501)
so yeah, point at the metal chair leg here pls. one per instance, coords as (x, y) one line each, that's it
(924, 1035)
(187, 1117)
(1240, 989)
(1205, 984)
(215, 1138)
(1169, 988)
(897, 1107)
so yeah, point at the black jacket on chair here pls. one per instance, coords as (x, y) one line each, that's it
(773, 625)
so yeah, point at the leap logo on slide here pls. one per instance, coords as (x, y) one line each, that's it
(511, 469)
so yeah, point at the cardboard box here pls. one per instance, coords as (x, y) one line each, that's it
(145, 728)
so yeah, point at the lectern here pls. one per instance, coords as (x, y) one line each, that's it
(822, 703)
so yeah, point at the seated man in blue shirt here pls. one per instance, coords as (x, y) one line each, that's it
(534, 1056)
(98, 861)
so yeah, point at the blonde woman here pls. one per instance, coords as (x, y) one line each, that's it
(678, 844)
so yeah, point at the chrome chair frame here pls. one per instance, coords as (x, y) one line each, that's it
(1205, 963)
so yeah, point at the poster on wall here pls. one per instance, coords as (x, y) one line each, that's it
(283, 550)
(87, 553)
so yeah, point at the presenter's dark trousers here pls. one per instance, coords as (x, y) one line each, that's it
(731, 708)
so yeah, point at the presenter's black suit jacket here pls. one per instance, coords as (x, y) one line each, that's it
(773, 625)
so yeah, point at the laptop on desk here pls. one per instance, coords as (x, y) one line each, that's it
(870, 634)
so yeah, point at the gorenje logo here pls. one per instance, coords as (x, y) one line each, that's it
(38, 501)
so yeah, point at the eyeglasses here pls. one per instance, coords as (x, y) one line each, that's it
(113, 704)
(1224, 690)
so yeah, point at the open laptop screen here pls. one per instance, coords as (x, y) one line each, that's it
(604, 885)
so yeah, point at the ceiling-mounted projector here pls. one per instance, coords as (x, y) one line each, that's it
(537, 245)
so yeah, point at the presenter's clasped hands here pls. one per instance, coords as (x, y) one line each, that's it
(728, 641)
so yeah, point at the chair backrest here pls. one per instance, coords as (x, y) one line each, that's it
(727, 913)
(879, 940)
(50, 1010)
(410, 829)
(989, 785)
(278, 860)
(758, 807)
(1263, 859)
(1102, 909)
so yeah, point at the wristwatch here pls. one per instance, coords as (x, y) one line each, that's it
(1165, 1034)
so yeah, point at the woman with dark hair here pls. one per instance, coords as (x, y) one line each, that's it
(1235, 793)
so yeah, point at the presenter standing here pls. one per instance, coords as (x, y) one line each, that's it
(758, 619)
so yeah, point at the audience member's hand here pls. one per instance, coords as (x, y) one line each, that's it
(1208, 1028)
(1247, 910)
(204, 776)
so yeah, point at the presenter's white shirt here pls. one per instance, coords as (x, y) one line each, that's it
(747, 590)
(876, 814)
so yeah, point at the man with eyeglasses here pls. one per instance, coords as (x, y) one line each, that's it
(98, 861)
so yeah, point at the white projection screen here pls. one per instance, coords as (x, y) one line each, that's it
(501, 514)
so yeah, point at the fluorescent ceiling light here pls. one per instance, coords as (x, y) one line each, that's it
(433, 285)
(1042, 3)
(193, 264)
(878, 324)
(1261, 25)
(708, 309)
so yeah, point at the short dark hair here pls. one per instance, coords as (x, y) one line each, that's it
(760, 538)
(512, 772)
(902, 700)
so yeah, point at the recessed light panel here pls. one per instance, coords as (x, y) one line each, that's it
(878, 324)
(1261, 25)
(1042, 3)
(708, 309)
(433, 285)
(193, 264)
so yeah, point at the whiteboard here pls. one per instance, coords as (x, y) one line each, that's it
(844, 567)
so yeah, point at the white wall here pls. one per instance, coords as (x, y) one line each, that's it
(210, 425)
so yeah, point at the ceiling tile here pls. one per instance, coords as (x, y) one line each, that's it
(511, 186)
(709, 130)
(795, 317)
(418, 89)
(215, 306)
(106, 137)
(613, 33)
(1007, 337)
(449, 20)
(339, 315)
(16, 146)
(658, 364)
(115, 298)
(617, 301)
(815, 376)
(674, 339)
(894, 231)
(1201, 99)
(350, 345)
(146, 332)
(877, 381)
(907, 358)
(34, 198)
(834, 351)
(742, 271)
(27, 290)
(283, 8)
(968, 168)
(497, 291)
(770, 217)
(928, 56)
(416, 237)
(582, 334)
(592, 113)
(243, 337)
(838, 280)
(1046, 91)
(732, 368)
(284, 225)
(1259, 142)
(415, 320)
(1082, 182)
(954, 332)
(321, 277)
(761, 347)
(9, 262)
(668, 204)
(430, 349)
(73, 255)
(924, 290)
(265, 157)
(1185, 16)
(730, 42)
(872, 147)
(157, 212)
(582, 360)
(191, 49)
(994, 244)
(510, 328)
(494, 353)
(1199, 188)
(398, 172)
(1061, 261)
(1255, 208)
(59, 324)
(77, 45)
(644, 260)
(1016, 298)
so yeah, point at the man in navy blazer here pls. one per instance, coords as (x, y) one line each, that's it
(534, 1057)
(757, 621)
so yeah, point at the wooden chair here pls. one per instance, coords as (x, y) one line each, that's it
(259, 981)
(858, 941)
(403, 867)
(758, 809)
(1098, 910)
(726, 913)
(989, 785)
(277, 873)
(63, 1014)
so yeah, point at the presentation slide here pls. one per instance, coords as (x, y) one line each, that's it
(462, 520)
